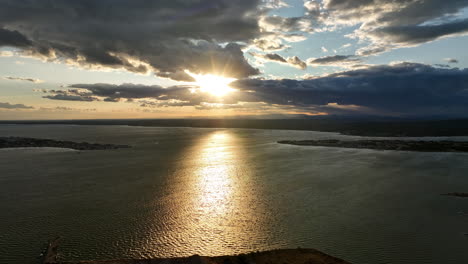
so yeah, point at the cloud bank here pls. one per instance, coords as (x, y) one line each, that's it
(165, 37)
(11, 78)
(14, 106)
(403, 89)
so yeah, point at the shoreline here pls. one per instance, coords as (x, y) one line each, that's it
(25, 142)
(398, 145)
(276, 256)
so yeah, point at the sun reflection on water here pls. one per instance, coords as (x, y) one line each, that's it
(212, 205)
(215, 174)
(215, 200)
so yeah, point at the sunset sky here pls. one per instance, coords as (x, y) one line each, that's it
(85, 59)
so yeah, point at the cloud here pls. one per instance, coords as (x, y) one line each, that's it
(65, 108)
(336, 60)
(129, 92)
(13, 38)
(14, 106)
(411, 35)
(401, 89)
(396, 24)
(277, 29)
(273, 57)
(164, 37)
(285, 24)
(70, 97)
(269, 44)
(275, 4)
(347, 45)
(450, 60)
(6, 53)
(405, 89)
(442, 65)
(22, 79)
(296, 62)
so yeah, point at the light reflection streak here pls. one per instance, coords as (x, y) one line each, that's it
(212, 206)
(216, 191)
(214, 175)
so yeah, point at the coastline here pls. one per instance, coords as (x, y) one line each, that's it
(28, 143)
(398, 145)
(276, 256)
(279, 256)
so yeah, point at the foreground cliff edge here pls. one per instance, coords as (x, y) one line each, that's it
(402, 145)
(279, 256)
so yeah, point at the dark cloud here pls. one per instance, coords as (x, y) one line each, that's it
(128, 92)
(70, 97)
(392, 13)
(395, 24)
(442, 65)
(166, 36)
(14, 106)
(64, 108)
(286, 24)
(269, 57)
(416, 34)
(404, 89)
(450, 60)
(401, 89)
(13, 38)
(273, 57)
(22, 79)
(296, 62)
(336, 60)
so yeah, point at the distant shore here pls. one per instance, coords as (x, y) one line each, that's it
(456, 194)
(21, 142)
(361, 127)
(403, 145)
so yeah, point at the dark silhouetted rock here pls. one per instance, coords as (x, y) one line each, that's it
(280, 256)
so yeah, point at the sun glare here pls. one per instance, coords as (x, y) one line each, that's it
(213, 84)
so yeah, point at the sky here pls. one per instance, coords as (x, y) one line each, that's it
(87, 59)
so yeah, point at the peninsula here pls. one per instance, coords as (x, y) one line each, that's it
(403, 145)
(22, 142)
(456, 194)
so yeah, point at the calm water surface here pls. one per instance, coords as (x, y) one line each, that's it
(184, 191)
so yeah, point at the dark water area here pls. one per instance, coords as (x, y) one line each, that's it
(185, 191)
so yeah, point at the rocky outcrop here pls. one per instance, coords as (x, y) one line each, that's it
(278, 256)
(404, 145)
(20, 142)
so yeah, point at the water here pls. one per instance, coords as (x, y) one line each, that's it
(184, 191)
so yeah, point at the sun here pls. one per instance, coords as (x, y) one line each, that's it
(213, 84)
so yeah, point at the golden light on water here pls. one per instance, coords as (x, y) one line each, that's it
(213, 188)
(211, 205)
(214, 175)
(213, 84)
